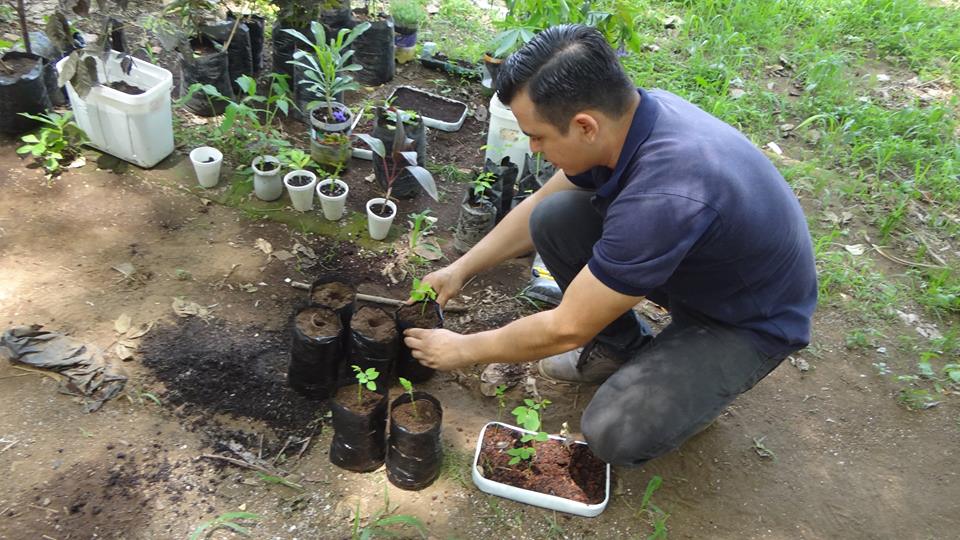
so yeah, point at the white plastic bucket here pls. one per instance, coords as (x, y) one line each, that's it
(504, 137)
(379, 227)
(135, 128)
(206, 163)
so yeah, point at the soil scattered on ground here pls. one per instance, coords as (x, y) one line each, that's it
(374, 323)
(219, 367)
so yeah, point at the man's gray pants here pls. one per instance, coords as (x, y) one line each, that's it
(672, 385)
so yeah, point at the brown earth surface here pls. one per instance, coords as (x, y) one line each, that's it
(848, 462)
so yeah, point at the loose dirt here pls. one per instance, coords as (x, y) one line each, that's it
(419, 315)
(439, 109)
(126, 88)
(318, 322)
(374, 323)
(334, 295)
(423, 419)
(347, 397)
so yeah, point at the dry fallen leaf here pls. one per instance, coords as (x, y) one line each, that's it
(855, 249)
(263, 246)
(184, 308)
(775, 148)
(123, 352)
(127, 269)
(77, 163)
(122, 324)
(429, 250)
(307, 251)
(282, 255)
(139, 331)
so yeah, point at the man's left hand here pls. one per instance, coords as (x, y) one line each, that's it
(438, 349)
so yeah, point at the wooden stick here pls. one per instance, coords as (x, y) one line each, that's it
(905, 262)
(5, 448)
(451, 308)
(241, 463)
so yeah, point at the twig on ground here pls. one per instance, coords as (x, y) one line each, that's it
(905, 262)
(306, 443)
(280, 453)
(55, 376)
(44, 509)
(7, 447)
(223, 281)
(240, 463)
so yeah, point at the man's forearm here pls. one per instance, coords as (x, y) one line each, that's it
(527, 339)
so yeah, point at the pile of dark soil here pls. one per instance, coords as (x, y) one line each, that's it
(219, 367)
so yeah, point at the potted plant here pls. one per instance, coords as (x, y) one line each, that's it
(300, 182)
(438, 112)
(333, 196)
(425, 312)
(325, 67)
(505, 42)
(206, 164)
(385, 121)
(527, 465)
(359, 423)
(414, 452)
(407, 16)
(478, 213)
(267, 182)
(374, 339)
(331, 150)
(402, 157)
(334, 291)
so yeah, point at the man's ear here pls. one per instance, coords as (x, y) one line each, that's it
(586, 125)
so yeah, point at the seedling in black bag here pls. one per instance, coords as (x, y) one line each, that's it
(408, 388)
(365, 378)
(422, 292)
(481, 184)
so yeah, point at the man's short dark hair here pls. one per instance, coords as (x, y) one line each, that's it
(564, 70)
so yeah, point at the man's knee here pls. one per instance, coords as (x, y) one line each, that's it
(552, 217)
(618, 440)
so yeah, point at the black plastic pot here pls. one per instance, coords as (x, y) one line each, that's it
(407, 365)
(503, 188)
(315, 359)
(359, 438)
(343, 306)
(536, 172)
(212, 69)
(239, 53)
(491, 66)
(375, 51)
(26, 93)
(405, 186)
(257, 27)
(284, 45)
(461, 68)
(474, 222)
(367, 351)
(336, 13)
(414, 457)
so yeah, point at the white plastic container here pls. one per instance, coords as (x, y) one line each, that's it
(377, 226)
(535, 498)
(267, 185)
(436, 123)
(301, 196)
(135, 128)
(504, 137)
(206, 163)
(332, 206)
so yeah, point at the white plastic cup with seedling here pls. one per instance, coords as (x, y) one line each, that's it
(365, 378)
(408, 388)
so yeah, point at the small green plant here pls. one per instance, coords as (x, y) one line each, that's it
(501, 400)
(520, 454)
(295, 158)
(365, 378)
(480, 185)
(656, 515)
(422, 292)
(383, 521)
(528, 417)
(228, 520)
(57, 141)
(420, 225)
(408, 388)
(407, 13)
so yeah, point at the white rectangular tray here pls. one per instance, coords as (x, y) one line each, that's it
(433, 122)
(526, 496)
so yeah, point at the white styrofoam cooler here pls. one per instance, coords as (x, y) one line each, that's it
(135, 128)
(504, 137)
(527, 496)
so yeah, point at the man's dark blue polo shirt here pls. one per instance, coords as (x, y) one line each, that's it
(694, 212)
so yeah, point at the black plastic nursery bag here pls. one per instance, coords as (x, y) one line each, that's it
(24, 93)
(359, 439)
(414, 458)
(407, 365)
(315, 359)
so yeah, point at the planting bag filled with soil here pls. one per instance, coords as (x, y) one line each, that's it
(24, 90)
(414, 454)
(284, 45)
(256, 26)
(316, 352)
(374, 342)
(413, 316)
(359, 439)
(476, 219)
(503, 188)
(213, 69)
(334, 292)
(375, 51)
(239, 53)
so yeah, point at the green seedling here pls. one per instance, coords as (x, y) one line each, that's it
(521, 454)
(422, 292)
(501, 400)
(270, 479)
(480, 185)
(57, 141)
(227, 520)
(528, 417)
(422, 222)
(365, 378)
(656, 515)
(408, 388)
(296, 158)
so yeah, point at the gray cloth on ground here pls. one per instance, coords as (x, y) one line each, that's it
(83, 367)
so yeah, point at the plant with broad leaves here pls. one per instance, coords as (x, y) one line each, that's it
(365, 377)
(480, 185)
(408, 388)
(228, 520)
(402, 151)
(57, 141)
(421, 224)
(326, 64)
(528, 417)
(520, 454)
(422, 292)
(295, 158)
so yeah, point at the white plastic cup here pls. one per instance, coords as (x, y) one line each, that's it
(267, 186)
(208, 172)
(301, 196)
(332, 206)
(378, 226)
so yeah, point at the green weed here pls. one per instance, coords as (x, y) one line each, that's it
(228, 520)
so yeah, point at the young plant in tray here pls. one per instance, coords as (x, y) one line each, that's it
(408, 388)
(365, 377)
(528, 417)
(327, 68)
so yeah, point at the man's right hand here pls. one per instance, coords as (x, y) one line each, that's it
(447, 282)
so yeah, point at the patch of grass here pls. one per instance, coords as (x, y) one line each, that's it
(229, 520)
(456, 465)
(653, 513)
(460, 29)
